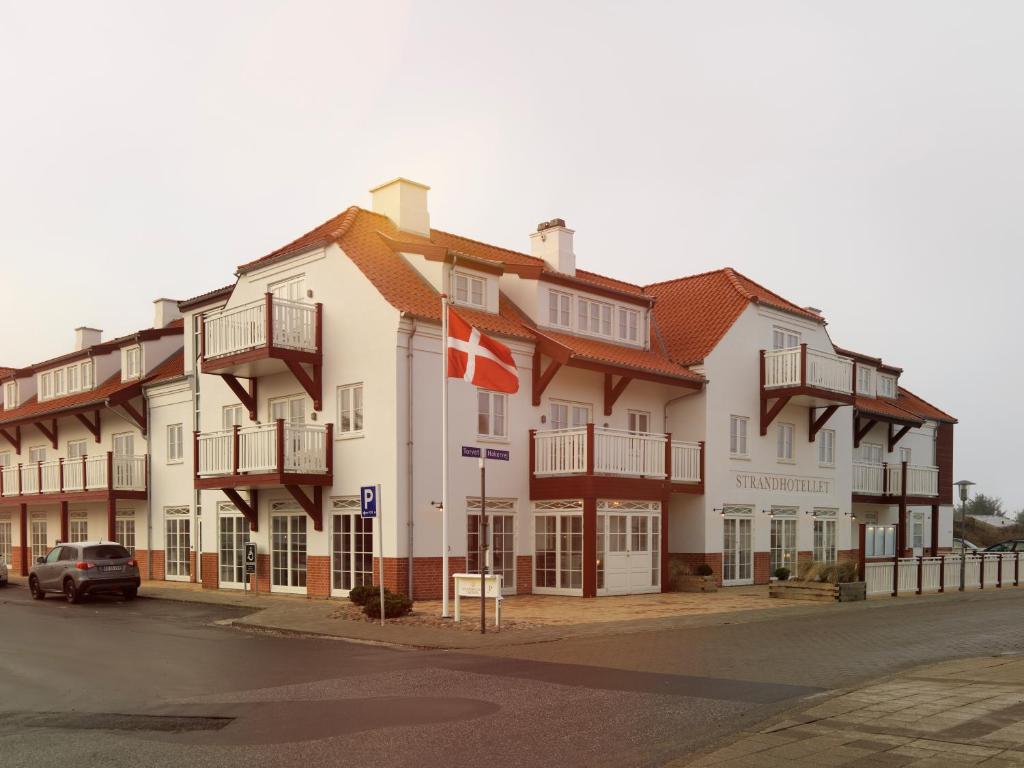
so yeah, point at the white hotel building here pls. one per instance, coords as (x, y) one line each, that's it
(704, 419)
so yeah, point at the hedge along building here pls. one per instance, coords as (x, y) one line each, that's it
(74, 442)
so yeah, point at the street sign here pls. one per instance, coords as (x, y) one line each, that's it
(472, 452)
(250, 557)
(368, 501)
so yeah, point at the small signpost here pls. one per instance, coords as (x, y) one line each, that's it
(369, 501)
(250, 563)
(486, 585)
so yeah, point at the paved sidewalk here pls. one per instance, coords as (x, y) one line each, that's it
(963, 712)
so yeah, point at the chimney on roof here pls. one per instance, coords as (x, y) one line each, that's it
(165, 311)
(405, 203)
(552, 242)
(815, 310)
(86, 337)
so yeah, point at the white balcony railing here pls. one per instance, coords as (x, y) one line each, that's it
(615, 452)
(618, 452)
(86, 473)
(887, 479)
(686, 462)
(785, 368)
(238, 329)
(255, 449)
(868, 478)
(560, 451)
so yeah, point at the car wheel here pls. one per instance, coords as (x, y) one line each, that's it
(33, 587)
(130, 594)
(71, 591)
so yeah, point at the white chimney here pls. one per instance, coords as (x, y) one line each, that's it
(405, 203)
(165, 311)
(86, 337)
(552, 242)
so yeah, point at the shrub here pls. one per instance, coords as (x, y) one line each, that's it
(782, 573)
(394, 605)
(704, 570)
(813, 570)
(359, 595)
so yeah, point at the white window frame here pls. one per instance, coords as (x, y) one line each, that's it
(573, 411)
(39, 541)
(739, 434)
(5, 458)
(59, 382)
(786, 336)
(864, 447)
(865, 381)
(122, 534)
(11, 395)
(826, 448)
(889, 390)
(76, 449)
(825, 522)
(36, 453)
(229, 413)
(781, 432)
(175, 443)
(78, 530)
(288, 399)
(634, 419)
(559, 306)
(290, 288)
(464, 295)
(629, 325)
(492, 399)
(72, 377)
(586, 321)
(45, 386)
(87, 375)
(131, 363)
(349, 412)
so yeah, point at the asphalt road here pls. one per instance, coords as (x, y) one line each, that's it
(155, 683)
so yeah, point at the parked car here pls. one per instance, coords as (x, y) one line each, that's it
(85, 568)
(3, 573)
(1013, 545)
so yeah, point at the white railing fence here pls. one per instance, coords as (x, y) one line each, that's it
(878, 578)
(87, 473)
(782, 368)
(49, 473)
(922, 481)
(257, 448)
(294, 325)
(74, 474)
(10, 475)
(618, 452)
(868, 478)
(236, 329)
(129, 473)
(1007, 566)
(931, 574)
(305, 450)
(96, 472)
(831, 372)
(991, 566)
(29, 478)
(951, 577)
(907, 575)
(560, 451)
(685, 462)
(972, 572)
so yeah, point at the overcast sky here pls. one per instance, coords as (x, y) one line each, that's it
(862, 157)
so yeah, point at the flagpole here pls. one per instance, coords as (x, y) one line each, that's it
(444, 456)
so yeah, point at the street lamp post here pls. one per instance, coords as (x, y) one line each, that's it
(965, 490)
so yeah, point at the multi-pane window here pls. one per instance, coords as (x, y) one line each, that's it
(784, 442)
(350, 409)
(87, 380)
(594, 317)
(783, 338)
(233, 533)
(917, 534)
(291, 409)
(639, 422)
(231, 416)
(491, 409)
(11, 395)
(39, 543)
(124, 533)
(78, 530)
(351, 549)
(824, 539)
(5, 458)
(738, 435)
(174, 443)
(470, 290)
(865, 380)
(871, 453)
(501, 530)
(73, 378)
(886, 386)
(827, 447)
(629, 324)
(132, 363)
(46, 386)
(6, 541)
(59, 386)
(559, 311)
(37, 453)
(124, 444)
(565, 415)
(880, 541)
(783, 540)
(291, 289)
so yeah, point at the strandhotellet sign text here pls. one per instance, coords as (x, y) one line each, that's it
(762, 481)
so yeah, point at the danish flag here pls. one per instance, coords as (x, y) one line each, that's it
(479, 359)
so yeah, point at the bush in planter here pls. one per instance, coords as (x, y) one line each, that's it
(782, 573)
(394, 605)
(359, 595)
(704, 570)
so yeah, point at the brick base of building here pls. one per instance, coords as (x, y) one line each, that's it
(847, 554)
(18, 560)
(158, 567)
(192, 566)
(524, 574)
(762, 567)
(318, 576)
(211, 575)
(691, 560)
(261, 583)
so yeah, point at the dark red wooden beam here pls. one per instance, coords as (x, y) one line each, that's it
(250, 511)
(92, 426)
(245, 397)
(859, 432)
(895, 437)
(815, 424)
(13, 439)
(768, 414)
(139, 417)
(313, 507)
(541, 379)
(613, 392)
(50, 433)
(313, 384)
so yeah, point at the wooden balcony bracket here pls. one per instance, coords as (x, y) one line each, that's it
(815, 424)
(50, 433)
(541, 379)
(313, 384)
(613, 392)
(249, 509)
(895, 437)
(313, 507)
(860, 432)
(139, 417)
(246, 397)
(13, 438)
(93, 426)
(768, 414)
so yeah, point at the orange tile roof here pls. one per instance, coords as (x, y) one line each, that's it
(202, 298)
(911, 402)
(617, 355)
(886, 408)
(694, 313)
(171, 368)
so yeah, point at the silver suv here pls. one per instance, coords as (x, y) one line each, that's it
(85, 568)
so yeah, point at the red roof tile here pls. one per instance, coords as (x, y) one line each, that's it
(625, 357)
(171, 368)
(911, 402)
(886, 408)
(202, 298)
(694, 313)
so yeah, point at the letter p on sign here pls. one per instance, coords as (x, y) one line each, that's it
(368, 501)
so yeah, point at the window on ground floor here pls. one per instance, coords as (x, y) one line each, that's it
(124, 533)
(78, 530)
(39, 541)
(6, 540)
(783, 540)
(824, 539)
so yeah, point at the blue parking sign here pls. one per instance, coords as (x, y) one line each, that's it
(368, 501)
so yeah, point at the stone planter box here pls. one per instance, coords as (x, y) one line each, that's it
(819, 592)
(696, 584)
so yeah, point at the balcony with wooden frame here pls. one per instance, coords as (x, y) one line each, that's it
(593, 461)
(262, 338)
(885, 483)
(820, 381)
(267, 455)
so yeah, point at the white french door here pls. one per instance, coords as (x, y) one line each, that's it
(501, 532)
(288, 553)
(232, 533)
(783, 544)
(558, 554)
(351, 552)
(737, 552)
(629, 548)
(178, 544)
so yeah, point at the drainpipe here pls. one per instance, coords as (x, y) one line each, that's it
(409, 448)
(149, 475)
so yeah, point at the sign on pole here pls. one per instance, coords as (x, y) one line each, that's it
(250, 563)
(369, 499)
(473, 452)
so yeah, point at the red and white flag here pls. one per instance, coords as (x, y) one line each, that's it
(479, 359)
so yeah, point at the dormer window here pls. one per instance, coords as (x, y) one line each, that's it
(132, 363)
(594, 317)
(87, 382)
(469, 290)
(865, 381)
(629, 325)
(886, 386)
(559, 309)
(11, 395)
(46, 386)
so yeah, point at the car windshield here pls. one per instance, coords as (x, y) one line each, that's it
(106, 552)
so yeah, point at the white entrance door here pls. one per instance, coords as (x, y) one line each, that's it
(737, 552)
(558, 554)
(232, 533)
(178, 543)
(631, 561)
(351, 552)
(616, 559)
(288, 553)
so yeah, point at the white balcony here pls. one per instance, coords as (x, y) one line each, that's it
(804, 367)
(686, 462)
(887, 479)
(270, 322)
(102, 472)
(262, 449)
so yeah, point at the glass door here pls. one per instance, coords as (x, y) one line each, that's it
(177, 546)
(288, 553)
(558, 554)
(232, 533)
(501, 532)
(783, 545)
(351, 552)
(737, 553)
